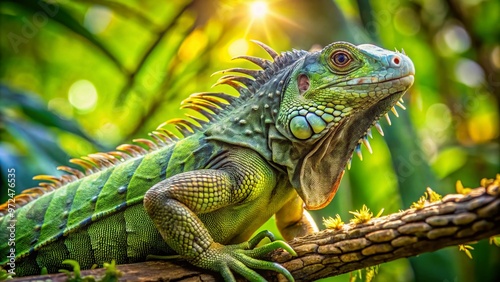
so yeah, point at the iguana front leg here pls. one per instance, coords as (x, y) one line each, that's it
(174, 203)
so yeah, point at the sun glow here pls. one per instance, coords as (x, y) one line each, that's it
(258, 9)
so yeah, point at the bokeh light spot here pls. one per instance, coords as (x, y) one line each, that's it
(438, 117)
(469, 73)
(238, 47)
(456, 38)
(82, 95)
(97, 18)
(483, 128)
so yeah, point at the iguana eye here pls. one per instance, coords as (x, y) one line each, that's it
(341, 58)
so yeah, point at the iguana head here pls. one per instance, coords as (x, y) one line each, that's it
(306, 112)
(329, 102)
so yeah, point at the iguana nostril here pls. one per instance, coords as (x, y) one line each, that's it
(395, 61)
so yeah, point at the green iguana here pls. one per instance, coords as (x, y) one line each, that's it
(279, 148)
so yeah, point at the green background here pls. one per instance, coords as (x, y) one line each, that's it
(78, 77)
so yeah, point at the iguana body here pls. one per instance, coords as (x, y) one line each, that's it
(283, 143)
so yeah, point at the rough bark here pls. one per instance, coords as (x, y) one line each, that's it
(456, 219)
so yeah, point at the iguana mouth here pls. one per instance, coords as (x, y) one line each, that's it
(378, 110)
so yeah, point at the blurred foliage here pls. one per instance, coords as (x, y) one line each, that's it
(86, 75)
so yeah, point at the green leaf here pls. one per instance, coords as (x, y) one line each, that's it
(58, 13)
(126, 12)
(36, 111)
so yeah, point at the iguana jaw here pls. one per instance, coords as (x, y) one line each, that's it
(337, 148)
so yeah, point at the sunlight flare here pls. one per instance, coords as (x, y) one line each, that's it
(258, 9)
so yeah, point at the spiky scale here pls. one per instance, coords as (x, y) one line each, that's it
(208, 113)
(148, 143)
(387, 118)
(231, 83)
(50, 178)
(47, 186)
(99, 160)
(245, 81)
(132, 150)
(166, 133)
(200, 121)
(67, 178)
(219, 99)
(394, 111)
(214, 106)
(268, 49)
(258, 61)
(369, 133)
(367, 145)
(120, 155)
(71, 170)
(88, 167)
(379, 128)
(250, 72)
(358, 152)
(186, 127)
(157, 138)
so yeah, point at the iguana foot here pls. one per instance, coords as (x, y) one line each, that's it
(242, 258)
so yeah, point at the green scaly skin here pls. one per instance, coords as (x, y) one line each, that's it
(278, 149)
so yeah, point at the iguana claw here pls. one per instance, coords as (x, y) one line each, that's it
(242, 258)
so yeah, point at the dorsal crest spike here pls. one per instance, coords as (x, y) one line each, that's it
(250, 72)
(202, 110)
(184, 126)
(268, 49)
(71, 171)
(189, 124)
(148, 143)
(34, 191)
(101, 161)
(176, 121)
(109, 158)
(96, 163)
(200, 121)
(212, 104)
(157, 139)
(120, 155)
(87, 167)
(161, 136)
(44, 177)
(67, 178)
(223, 98)
(131, 149)
(241, 79)
(231, 83)
(167, 133)
(263, 63)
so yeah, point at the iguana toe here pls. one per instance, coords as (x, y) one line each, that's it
(243, 258)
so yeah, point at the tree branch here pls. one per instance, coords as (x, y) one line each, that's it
(456, 219)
